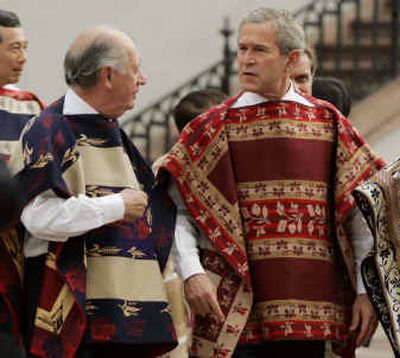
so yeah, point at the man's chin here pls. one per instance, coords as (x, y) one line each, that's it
(13, 80)
(16, 76)
(249, 87)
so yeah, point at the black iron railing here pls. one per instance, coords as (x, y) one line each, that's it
(356, 40)
(152, 129)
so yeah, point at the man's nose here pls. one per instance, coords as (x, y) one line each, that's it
(142, 80)
(22, 55)
(249, 58)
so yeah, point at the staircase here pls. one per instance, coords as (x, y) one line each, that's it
(355, 40)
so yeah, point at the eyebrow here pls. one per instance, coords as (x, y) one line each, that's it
(257, 45)
(18, 42)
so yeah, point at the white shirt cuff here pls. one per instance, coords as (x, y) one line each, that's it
(190, 266)
(112, 207)
(363, 243)
(360, 284)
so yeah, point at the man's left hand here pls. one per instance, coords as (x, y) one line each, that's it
(364, 320)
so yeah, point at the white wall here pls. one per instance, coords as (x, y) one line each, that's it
(176, 38)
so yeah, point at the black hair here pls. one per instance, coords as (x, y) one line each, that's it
(9, 19)
(333, 90)
(196, 103)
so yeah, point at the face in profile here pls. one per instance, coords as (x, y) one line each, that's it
(125, 84)
(12, 54)
(301, 74)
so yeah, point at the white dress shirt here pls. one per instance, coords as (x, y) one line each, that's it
(51, 218)
(188, 238)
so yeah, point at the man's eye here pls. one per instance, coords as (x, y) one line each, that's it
(16, 48)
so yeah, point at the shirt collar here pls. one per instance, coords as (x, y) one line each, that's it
(11, 86)
(251, 98)
(73, 104)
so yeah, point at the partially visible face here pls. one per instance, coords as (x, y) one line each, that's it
(12, 54)
(262, 67)
(126, 84)
(301, 74)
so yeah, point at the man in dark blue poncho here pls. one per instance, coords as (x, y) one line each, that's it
(100, 231)
(16, 108)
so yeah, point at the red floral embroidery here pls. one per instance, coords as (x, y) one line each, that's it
(102, 330)
(142, 229)
(136, 328)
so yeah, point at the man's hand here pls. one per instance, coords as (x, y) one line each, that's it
(202, 296)
(364, 320)
(135, 202)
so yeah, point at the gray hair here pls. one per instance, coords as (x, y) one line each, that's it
(289, 34)
(82, 65)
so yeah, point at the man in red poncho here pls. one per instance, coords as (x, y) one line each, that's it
(266, 178)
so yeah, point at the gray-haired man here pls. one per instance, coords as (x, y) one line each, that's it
(266, 177)
(94, 233)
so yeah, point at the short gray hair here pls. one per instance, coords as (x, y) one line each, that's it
(82, 66)
(289, 34)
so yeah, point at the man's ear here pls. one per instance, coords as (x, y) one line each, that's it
(293, 56)
(106, 73)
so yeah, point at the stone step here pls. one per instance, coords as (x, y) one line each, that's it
(364, 67)
(347, 51)
(370, 32)
(367, 28)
